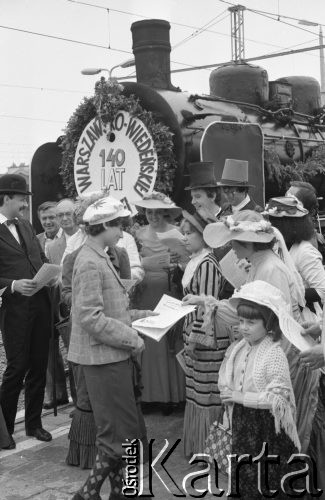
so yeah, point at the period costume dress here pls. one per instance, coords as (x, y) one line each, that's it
(162, 376)
(203, 405)
(267, 415)
(267, 266)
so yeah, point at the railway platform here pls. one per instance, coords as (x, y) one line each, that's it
(37, 471)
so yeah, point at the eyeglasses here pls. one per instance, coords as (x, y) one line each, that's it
(64, 214)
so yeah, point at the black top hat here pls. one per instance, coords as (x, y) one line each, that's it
(13, 184)
(201, 175)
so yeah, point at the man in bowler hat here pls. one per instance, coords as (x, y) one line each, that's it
(24, 316)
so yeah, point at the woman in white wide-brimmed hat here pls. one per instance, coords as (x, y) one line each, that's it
(254, 238)
(162, 376)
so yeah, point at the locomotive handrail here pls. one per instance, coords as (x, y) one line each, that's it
(272, 114)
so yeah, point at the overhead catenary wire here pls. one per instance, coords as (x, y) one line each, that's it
(54, 37)
(32, 118)
(277, 17)
(174, 23)
(203, 28)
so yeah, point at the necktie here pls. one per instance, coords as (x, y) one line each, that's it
(12, 221)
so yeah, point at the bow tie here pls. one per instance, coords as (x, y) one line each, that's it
(12, 221)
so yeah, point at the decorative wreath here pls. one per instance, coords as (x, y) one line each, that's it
(281, 175)
(106, 103)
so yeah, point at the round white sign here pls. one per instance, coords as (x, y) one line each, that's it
(119, 158)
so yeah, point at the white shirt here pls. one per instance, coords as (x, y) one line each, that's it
(128, 242)
(74, 242)
(12, 228)
(241, 205)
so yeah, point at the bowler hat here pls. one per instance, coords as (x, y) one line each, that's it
(13, 184)
(201, 175)
(235, 174)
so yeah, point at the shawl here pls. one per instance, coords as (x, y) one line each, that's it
(272, 378)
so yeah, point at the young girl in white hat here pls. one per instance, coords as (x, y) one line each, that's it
(255, 386)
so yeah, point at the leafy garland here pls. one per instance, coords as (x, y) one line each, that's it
(107, 101)
(281, 175)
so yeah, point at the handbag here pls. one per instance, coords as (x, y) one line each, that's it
(219, 444)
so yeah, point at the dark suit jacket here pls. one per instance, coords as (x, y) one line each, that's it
(15, 261)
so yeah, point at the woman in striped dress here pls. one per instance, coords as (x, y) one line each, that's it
(203, 353)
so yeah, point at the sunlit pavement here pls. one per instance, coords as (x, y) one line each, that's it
(38, 470)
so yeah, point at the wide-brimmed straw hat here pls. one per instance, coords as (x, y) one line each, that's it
(246, 225)
(159, 201)
(235, 174)
(195, 220)
(262, 293)
(201, 175)
(285, 206)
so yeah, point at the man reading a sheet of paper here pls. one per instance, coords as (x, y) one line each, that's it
(25, 315)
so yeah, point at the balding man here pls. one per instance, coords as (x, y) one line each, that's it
(55, 250)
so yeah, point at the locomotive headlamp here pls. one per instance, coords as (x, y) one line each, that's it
(95, 71)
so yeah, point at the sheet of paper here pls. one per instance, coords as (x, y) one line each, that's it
(233, 273)
(170, 311)
(180, 356)
(176, 245)
(46, 274)
(292, 331)
(156, 261)
(2, 290)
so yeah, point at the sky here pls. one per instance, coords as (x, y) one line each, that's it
(40, 78)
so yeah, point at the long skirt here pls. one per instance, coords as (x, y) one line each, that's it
(305, 383)
(82, 435)
(317, 439)
(252, 428)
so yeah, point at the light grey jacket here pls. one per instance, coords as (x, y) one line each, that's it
(101, 319)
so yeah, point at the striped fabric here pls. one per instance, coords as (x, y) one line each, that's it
(202, 394)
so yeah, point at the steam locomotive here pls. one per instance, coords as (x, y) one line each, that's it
(287, 110)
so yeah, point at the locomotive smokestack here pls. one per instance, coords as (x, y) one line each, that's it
(151, 48)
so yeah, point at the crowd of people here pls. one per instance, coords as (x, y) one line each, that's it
(241, 364)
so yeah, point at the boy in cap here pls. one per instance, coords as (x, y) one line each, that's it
(103, 341)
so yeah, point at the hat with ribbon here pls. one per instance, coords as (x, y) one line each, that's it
(201, 175)
(285, 206)
(246, 225)
(105, 210)
(262, 293)
(13, 184)
(235, 174)
(159, 201)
